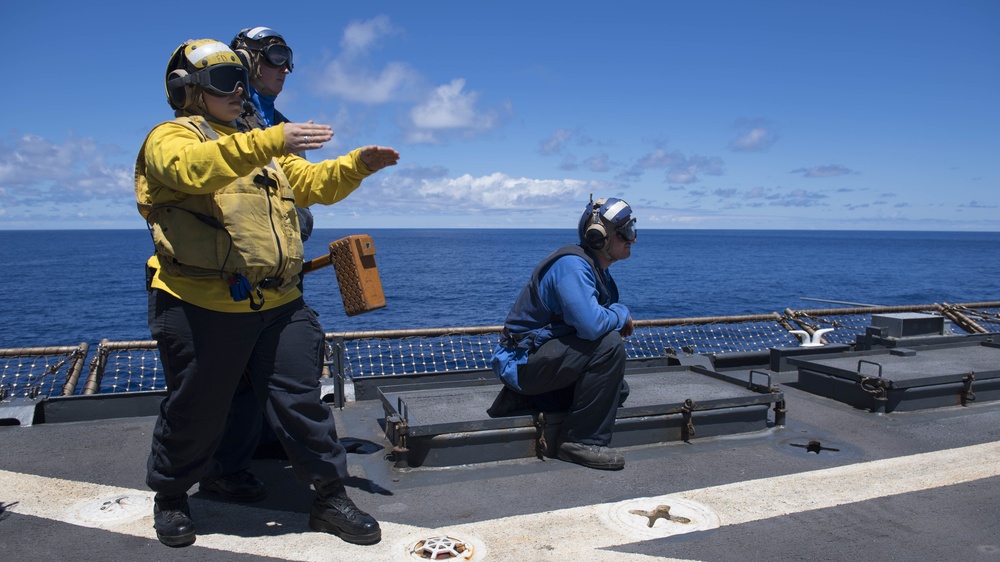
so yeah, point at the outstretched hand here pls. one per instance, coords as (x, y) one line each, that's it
(378, 157)
(306, 136)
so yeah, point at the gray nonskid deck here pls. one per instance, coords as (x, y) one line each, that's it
(509, 507)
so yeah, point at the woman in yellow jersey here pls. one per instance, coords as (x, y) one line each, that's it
(224, 300)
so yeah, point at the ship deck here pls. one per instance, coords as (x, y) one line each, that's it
(833, 482)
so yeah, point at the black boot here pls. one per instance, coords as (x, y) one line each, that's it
(591, 456)
(334, 512)
(241, 487)
(172, 520)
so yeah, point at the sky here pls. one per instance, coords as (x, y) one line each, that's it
(850, 115)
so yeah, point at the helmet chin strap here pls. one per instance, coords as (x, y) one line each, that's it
(606, 251)
(195, 107)
(255, 77)
(261, 89)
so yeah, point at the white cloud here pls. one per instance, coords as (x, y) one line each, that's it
(350, 75)
(395, 82)
(828, 171)
(62, 182)
(35, 167)
(499, 191)
(556, 142)
(433, 191)
(360, 36)
(756, 135)
(447, 107)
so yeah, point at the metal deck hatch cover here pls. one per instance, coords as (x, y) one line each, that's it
(654, 391)
(449, 426)
(926, 366)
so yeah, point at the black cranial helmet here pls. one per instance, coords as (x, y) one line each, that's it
(603, 219)
(256, 45)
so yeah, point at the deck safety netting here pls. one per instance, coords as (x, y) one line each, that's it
(657, 341)
(987, 318)
(847, 327)
(132, 370)
(414, 355)
(120, 367)
(44, 371)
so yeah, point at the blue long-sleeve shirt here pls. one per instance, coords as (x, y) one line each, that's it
(264, 105)
(568, 289)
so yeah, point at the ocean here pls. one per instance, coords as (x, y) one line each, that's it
(69, 286)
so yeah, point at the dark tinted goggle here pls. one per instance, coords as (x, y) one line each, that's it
(221, 79)
(626, 231)
(278, 55)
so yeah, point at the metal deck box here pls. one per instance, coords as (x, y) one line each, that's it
(909, 324)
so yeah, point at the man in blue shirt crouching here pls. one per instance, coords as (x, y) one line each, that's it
(562, 344)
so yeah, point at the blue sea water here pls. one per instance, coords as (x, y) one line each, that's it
(65, 287)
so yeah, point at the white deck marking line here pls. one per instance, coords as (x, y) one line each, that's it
(543, 535)
(741, 502)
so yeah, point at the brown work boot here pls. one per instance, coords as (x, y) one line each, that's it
(334, 512)
(172, 520)
(591, 456)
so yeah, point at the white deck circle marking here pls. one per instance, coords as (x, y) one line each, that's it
(622, 517)
(114, 510)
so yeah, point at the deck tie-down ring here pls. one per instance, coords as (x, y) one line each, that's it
(540, 443)
(876, 385)
(967, 394)
(401, 428)
(687, 428)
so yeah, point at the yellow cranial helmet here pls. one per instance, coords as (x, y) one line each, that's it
(207, 63)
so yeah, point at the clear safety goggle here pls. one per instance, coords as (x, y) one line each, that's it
(626, 231)
(278, 55)
(220, 79)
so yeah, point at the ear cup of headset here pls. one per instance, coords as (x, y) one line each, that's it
(596, 237)
(177, 89)
(244, 57)
(595, 234)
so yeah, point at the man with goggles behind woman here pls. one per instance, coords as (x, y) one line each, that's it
(268, 60)
(224, 300)
(561, 347)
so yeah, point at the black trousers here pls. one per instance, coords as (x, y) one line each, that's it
(246, 428)
(594, 370)
(242, 435)
(204, 356)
